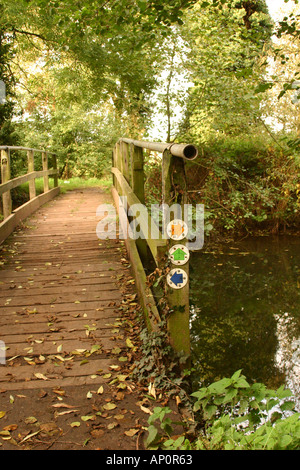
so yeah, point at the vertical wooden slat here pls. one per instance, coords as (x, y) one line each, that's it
(5, 176)
(113, 160)
(125, 161)
(30, 159)
(137, 172)
(118, 162)
(55, 179)
(45, 168)
(137, 180)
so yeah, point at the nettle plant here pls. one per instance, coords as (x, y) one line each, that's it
(237, 416)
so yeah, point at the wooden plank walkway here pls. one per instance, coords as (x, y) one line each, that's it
(60, 291)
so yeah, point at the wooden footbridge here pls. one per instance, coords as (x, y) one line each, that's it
(62, 283)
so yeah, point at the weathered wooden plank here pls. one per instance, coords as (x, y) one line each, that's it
(60, 307)
(61, 383)
(45, 290)
(49, 347)
(61, 257)
(73, 268)
(40, 278)
(23, 285)
(43, 326)
(56, 370)
(43, 314)
(58, 298)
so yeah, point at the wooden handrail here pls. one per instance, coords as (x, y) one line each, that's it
(12, 218)
(13, 147)
(14, 183)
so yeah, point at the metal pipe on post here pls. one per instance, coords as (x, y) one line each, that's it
(186, 151)
(5, 177)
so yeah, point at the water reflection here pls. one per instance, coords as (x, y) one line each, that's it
(245, 311)
(288, 352)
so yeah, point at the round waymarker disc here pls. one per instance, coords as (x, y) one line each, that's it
(179, 255)
(177, 278)
(177, 229)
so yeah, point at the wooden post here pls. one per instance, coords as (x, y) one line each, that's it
(30, 158)
(125, 160)
(118, 161)
(137, 172)
(55, 179)
(174, 192)
(45, 168)
(5, 176)
(137, 179)
(114, 165)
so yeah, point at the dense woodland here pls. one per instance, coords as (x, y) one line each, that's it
(217, 73)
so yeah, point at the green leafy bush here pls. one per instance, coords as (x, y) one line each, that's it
(247, 185)
(237, 416)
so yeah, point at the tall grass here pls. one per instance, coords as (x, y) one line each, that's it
(69, 185)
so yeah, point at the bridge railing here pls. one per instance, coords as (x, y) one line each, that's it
(155, 245)
(13, 217)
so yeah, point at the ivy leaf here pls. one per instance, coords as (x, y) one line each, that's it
(152, 435)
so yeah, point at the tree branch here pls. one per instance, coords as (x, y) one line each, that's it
(29, 33)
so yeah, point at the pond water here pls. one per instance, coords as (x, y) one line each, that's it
(245, 311)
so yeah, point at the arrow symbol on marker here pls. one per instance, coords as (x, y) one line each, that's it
(177, 278)
(179, 255)
(177, 230)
